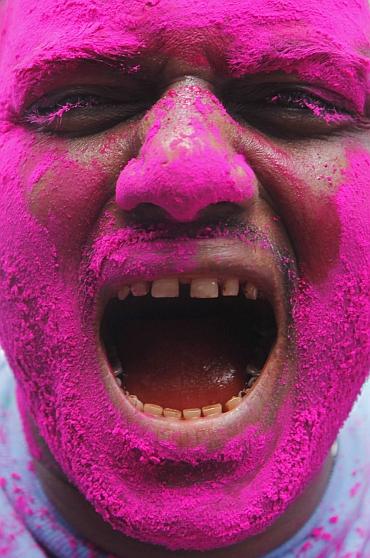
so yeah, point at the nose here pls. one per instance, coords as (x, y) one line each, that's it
(186, 162)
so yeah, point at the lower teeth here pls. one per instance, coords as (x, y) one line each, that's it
(122, 325)
(195, 413)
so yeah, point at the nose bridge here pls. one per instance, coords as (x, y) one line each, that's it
(186, 162)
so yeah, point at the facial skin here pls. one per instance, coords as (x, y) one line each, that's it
(193, 111)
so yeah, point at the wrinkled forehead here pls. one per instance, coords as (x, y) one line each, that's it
(213, 28)
(234, 38)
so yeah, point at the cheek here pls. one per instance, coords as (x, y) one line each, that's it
(302, 182)
(353, 206)
(67, 186)
(64, 196)
(312, 213)
(332, 317)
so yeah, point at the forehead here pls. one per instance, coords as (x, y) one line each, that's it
(183, 25)
(323, 40)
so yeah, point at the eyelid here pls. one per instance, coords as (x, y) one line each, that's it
(124, 89)
(259, 91)
(73, 113)
(327, 97)
(328, 113)
(57, 97)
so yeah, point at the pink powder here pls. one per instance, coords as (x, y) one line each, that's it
(355, 489)
(306, 547)
(15, 476)
(158, 165)
(51, 267)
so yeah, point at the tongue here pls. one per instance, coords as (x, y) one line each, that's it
(182, 363)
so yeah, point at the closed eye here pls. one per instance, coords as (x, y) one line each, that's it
(83, 113)
(290, 111)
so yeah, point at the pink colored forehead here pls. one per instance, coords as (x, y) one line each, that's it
(184, 24)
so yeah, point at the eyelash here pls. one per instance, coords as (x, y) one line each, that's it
(308, 102)
(44, 116)
(277, 110)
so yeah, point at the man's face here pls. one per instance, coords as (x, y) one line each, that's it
(220, 146)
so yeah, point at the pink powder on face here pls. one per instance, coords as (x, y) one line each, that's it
(47, 288)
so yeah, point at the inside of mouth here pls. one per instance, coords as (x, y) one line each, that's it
(184, 353)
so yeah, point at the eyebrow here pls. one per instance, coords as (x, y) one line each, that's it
(326, 63)
(345, 70)
(41, 67)
(42, 63)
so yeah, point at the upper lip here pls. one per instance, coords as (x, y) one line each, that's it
(206, 258)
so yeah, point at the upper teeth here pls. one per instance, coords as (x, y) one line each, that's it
(200, 287)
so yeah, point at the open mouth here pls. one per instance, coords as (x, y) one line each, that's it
(187, 348)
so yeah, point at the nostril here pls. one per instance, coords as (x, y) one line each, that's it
(149, 214)
(221, 211)
(146, 214)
